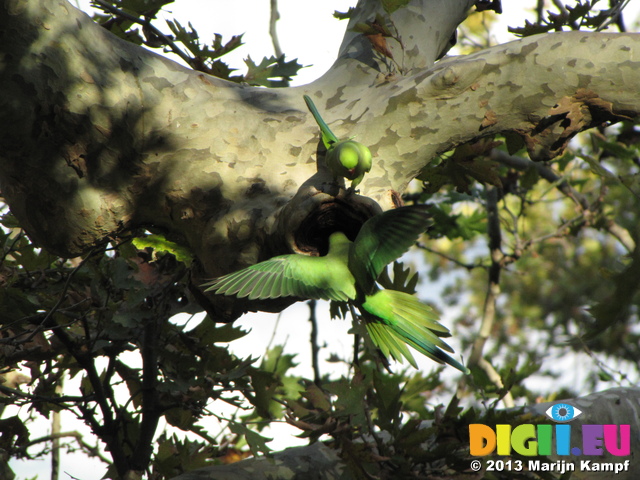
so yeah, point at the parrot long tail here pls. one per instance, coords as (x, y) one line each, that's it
(396, 319)
(328, 137)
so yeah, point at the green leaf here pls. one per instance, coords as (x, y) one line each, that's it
(141, 7)
(364, 28)
(14, 434)
(265, 387)
(16, 304)
(270, 69)
(514, 142)
(277, 362)
(599, 169)
(344, 15)
(220, 49)
(391, 6)
(466, 162)
(403, 279)
(457, 225)
(338, 309)
(616, 307)
(615, 149)
(530, 29)
(257, 443)
(132, 378)
(350, 401)
(417, 388)
(180, 418)
(388, 393)
(160, 244)
(319, 400)
(188, 37)
(220, 69)
(126, 319)
(209, 332)
(529, 178)
(9, 220)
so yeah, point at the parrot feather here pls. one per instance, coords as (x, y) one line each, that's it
(383, 239)
(394, 320)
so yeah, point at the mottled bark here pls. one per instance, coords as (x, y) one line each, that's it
(99, 135)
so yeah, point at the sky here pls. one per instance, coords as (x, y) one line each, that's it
(307, 31)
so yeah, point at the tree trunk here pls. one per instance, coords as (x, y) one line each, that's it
(100, 136)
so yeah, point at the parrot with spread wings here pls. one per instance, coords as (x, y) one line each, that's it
(347, 274)
(344, 158)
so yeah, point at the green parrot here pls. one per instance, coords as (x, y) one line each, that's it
(345, 158)
(347, 274)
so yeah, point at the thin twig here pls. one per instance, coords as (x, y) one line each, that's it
(273, 335)
(147, 24)
(151, 410)
(273, 32)
(520, 163)
(67, 283)
(493, 290)
(356, 337)
(315, 349)
(468, 266)
(7, 251)
(382, 450)
(540, 11)
(103, 396)
(60, 401)
(91, 450)
(615, 16)
(55, 439)
(580, 200)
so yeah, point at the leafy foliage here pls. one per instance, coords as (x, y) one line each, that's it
(577, 17)
(134, 21)
(268, 69)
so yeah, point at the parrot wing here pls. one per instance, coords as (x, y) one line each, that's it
(303, 276)
(384, 238)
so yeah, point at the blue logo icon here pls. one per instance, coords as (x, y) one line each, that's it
(563, 412)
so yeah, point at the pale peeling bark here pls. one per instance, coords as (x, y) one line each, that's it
(100, 135)
(617, 406)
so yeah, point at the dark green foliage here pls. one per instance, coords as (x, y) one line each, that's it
(344, 15)
(134, 21)
(87, 317)
(270, 69)
(580, 16)
(464, 226)
(391, 6)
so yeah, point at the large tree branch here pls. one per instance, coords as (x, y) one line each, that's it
(100, 135)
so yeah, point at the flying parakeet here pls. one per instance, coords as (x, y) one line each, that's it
(348, 274)
(345, 158)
